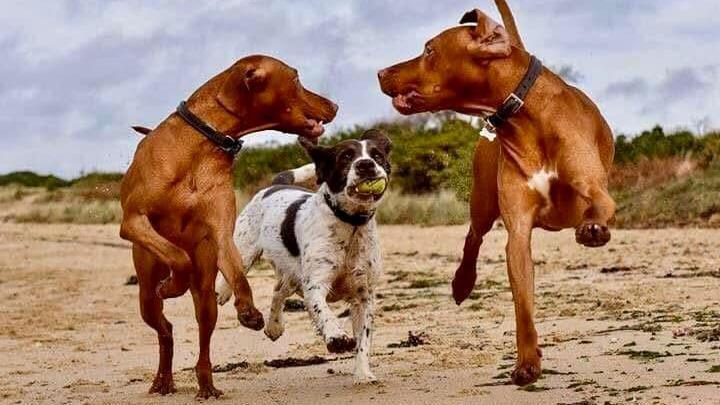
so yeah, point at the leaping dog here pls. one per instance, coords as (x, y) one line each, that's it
(547, 168)
(179, 204)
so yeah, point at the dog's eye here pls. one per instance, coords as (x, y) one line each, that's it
(428, 50)
(376, 156)
(347, 155)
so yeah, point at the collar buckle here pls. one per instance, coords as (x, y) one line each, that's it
(514, 103)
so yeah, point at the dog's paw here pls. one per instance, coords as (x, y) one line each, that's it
(364, 378)
(592, 235)
(274, 330)
(162, 384)
(525, 374)
(251, 318)
(341, 344)
(208, 391)
(172, 287)
(463, 283)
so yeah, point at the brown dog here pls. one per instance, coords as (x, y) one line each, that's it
(179, 205)
(548, 166)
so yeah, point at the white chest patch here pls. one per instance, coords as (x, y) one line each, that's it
(540, 182)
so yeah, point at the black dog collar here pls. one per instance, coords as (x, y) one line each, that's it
(226, 143)
(352, 219)
(514, 102)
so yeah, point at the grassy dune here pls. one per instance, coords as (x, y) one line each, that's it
(650, 194)
(658, 180)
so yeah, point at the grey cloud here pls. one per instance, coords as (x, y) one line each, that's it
(683, 83)
(628, 88)
(688, 85)
(568, 72)
(90, 94)
(676, 85)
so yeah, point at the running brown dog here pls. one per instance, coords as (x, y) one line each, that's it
(179, 205)
(548, 166)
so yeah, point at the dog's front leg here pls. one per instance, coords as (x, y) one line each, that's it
(316, 286)
(222, 223)
(522, 283)
(362, 310)
(362, 314)
(580, 166)
(519, 205)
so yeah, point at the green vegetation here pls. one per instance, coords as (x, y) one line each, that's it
(659, 179)
(30, 179)
(440, 208)
(424, 160)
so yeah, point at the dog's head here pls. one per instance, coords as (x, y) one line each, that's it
(355, 171)
(452, 72)
(265, 92)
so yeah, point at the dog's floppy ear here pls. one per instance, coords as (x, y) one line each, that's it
(241, 80)
(323, 157)
(255, 79)
(489, 39)
(379, 138)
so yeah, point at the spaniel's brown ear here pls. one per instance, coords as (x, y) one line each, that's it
(490, 40)
(241, 80)
(380, 139)
(322, 156)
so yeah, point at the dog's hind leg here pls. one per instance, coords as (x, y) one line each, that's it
(202, 288)
(138, 229)
(483, 213)
(275, 327)
(150, 271)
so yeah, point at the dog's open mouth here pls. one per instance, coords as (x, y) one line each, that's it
(407, 103)
(368, 189)
(313, 129)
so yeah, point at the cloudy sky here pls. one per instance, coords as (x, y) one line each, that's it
(75, 74)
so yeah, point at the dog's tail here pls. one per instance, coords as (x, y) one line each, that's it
(141, 130)
(509, 23)
(303, 174)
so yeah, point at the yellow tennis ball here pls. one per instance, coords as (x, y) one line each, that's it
(376, 186)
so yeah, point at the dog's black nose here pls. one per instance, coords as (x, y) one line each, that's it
(365, 167)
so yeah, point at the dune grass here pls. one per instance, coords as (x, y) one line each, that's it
(73, 212)
(441, 208)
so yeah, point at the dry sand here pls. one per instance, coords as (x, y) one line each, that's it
(636, 321)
